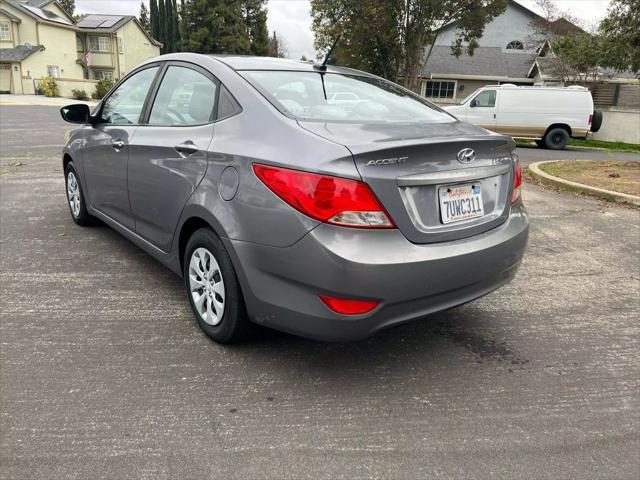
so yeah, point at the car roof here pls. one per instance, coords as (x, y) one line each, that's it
(242, 62)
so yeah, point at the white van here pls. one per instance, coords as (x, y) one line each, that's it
(548, 115)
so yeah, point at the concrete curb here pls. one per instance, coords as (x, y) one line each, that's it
(545, 178)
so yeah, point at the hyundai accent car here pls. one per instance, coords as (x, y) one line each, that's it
(281, 207)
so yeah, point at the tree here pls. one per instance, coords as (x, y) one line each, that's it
(278, 46)
(394, 38)
(255, 16)
(144, 17)
(69, 6)
(162, 26)
(576, 57)
(620, 32)
(154, 19)
(215, 26)
(168, 27)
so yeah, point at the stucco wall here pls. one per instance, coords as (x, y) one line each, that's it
(137, 47)
(513, 24)
(619, 125)
(65, 85)
(27, 26)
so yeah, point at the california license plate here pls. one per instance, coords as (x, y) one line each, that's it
(460, 202)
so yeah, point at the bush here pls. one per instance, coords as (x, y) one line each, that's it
(102, 88)
(79, 94)
(49, 87)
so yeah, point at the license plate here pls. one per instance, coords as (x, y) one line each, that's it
(460, 202)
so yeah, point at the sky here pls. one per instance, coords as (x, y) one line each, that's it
(291, 19)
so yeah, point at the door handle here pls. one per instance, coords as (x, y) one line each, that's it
(117, 144)
(187, 148)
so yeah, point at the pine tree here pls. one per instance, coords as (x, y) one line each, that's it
(215, 26)
(255, 15)
(69, 6)
(144, 17)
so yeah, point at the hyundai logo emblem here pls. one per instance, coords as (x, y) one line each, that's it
(466, 155)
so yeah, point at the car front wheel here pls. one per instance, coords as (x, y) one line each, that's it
(75, 197)
(213, 288)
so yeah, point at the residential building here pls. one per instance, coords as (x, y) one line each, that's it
(507, 53)
(39, 38)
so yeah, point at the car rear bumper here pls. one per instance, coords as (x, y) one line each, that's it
(281, 285)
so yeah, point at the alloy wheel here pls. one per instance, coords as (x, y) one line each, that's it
(206, 286)
(73, 194)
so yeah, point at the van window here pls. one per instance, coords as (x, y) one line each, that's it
(485, 99)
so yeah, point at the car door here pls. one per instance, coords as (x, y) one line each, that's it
(106, 151)
(482, 109)
(168, 153)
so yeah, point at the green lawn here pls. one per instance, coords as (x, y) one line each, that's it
(618, 146)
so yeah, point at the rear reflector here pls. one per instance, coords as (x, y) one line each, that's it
(590, 119)
(349, 307)
(339, 201)
(517, 182)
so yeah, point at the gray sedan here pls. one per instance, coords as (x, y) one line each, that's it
(282, 207)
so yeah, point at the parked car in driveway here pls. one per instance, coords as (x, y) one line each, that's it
(281, 208)
(548, 115)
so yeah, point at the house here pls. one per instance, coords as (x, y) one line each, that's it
(39, 38)
(507, 53)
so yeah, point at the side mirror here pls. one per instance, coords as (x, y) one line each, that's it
(474, 103)
(76, 113)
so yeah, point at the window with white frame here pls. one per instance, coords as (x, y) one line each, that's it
(53, 71)
(100, 44)
(100, 74)
(5, 31)
(119, 41)
(79, 44)
(440, 89)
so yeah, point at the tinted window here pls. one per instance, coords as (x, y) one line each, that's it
(227, 105)
(486, 99)
(124, 106)
(370, 100)
(185, 97)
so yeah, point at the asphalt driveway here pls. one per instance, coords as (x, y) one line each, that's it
(105, 374)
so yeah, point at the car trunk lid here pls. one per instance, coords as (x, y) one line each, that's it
(409, 166)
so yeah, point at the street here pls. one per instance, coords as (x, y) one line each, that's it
(105, 373)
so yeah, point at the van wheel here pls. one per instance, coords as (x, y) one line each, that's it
(540, 144)
(556, 138)
(213, 289)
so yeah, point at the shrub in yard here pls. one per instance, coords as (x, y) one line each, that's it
(49, 87)
(79, 94)
(102, 87)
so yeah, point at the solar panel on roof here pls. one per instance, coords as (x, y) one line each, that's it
(110, 23)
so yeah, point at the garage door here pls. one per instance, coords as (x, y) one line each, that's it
(5, 78)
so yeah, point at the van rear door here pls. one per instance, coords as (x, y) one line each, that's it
(483, 109)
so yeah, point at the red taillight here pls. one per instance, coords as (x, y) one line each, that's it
(590, 119)
(340, 201)
(517, 182)
(349, 307)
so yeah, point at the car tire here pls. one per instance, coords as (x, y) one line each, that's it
(540, 143)
(556, 138)
(213, 289)
(75, 197)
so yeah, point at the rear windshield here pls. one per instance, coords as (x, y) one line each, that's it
(342, 98)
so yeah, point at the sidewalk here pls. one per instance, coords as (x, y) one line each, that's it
(41, 100)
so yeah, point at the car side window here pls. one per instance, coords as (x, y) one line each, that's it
(485, 99)
(227, 105)
(185, 97)
(124, 105)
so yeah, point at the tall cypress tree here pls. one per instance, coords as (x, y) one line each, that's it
(168, 25)
(155, 31)
(255, 17)
(177, 40)
(162, 26)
